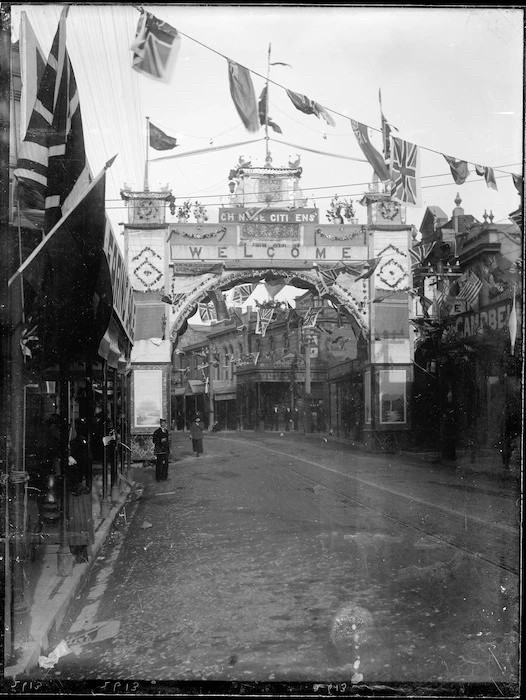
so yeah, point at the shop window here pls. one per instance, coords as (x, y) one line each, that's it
(392, 386)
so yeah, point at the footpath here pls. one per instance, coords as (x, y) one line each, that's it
(52, 594)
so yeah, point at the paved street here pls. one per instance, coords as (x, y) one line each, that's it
(275, 557)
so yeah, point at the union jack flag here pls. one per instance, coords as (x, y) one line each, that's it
(155, 47)
(263, 318)
(241, 294)
(207, 312)
(52, 164)
(420, 253)
(405, 172)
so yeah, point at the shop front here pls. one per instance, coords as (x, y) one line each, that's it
(64, 369)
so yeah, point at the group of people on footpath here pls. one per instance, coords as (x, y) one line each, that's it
(161, 445)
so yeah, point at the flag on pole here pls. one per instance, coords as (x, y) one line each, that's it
(52, 163)
(159, 140)
(386, 130)
(459, 169)
(405, 172)
(70, 294)
(488, 174)
(263, 112)
(373, 156)
(308, 106)
(243, 95)
(32, 65)
(155, 48)
(470, 286)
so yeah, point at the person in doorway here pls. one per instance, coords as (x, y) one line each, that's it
(196, 435)
(275, 418)
(80, 518)
(296, 418)
(161, 449)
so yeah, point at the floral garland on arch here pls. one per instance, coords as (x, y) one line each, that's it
(201, 236)
(353, 234)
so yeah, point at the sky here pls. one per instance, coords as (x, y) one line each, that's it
(451, 81)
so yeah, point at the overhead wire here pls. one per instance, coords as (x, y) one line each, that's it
(356, 184)
(329, 109)
(323, 197)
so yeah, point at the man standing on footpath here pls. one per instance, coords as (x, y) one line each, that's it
(161, 449)
(196, 435)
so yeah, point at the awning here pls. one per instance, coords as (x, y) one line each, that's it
(225, 397)
(178, 391)
(196, 386)
(109, 349)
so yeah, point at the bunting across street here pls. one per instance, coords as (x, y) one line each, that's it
(308, 106)
(155, 49)
(459, 169)
(242, 92)
(405, 173)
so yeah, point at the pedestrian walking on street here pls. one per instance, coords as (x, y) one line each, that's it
(196, 435)
(161, 449)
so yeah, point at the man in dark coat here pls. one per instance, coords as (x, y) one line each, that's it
(161, 448)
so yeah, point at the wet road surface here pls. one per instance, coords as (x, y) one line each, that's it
(276, 558)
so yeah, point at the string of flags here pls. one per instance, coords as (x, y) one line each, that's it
(154, 52)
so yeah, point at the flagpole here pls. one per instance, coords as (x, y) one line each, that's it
(59, 223)
(209, 149)
(267, 153)
(146, 183)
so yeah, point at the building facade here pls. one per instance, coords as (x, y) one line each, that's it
(468, 355)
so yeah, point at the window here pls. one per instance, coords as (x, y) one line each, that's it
(392, 383)
(367, 396)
